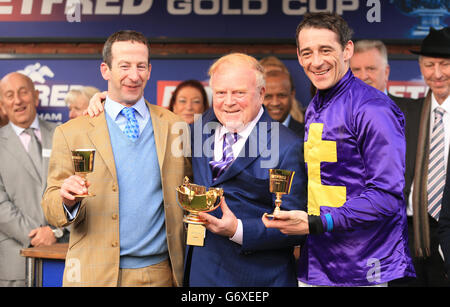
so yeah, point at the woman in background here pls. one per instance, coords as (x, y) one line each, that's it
(189, 98)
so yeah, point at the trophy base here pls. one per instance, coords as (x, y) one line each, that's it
(270, 215)
(193, 219)
(195, 235)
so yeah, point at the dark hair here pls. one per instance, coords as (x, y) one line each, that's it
(325, 20)
(123, 36)
(278, 73)
(189, 83)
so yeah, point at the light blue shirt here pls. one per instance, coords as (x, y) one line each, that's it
(113, 109)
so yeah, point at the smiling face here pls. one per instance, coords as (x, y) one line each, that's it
(129, 72)
(189, 101)
(236, 97)
(19, 98)
(279, 95)
(436, 73)
(322, 57)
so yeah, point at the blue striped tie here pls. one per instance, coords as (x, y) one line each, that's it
(132, 128)
(218, 167)
(436, 168)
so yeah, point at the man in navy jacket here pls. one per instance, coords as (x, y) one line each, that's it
(238, 250)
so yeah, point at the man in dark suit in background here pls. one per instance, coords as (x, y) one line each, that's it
(431, 168)
(279, 98)
(238, 250)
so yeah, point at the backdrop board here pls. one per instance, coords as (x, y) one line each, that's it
(218, 19)
(55, 77)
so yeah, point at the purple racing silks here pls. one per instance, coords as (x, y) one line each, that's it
(355, 159)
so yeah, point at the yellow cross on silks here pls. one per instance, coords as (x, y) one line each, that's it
(317, 151)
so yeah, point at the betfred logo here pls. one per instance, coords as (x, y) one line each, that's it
(52, 106)
(60, 10)
(407, 89)
(50, 95)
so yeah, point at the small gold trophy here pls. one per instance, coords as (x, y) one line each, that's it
(194, 199)
(83, 162)
(280, 183)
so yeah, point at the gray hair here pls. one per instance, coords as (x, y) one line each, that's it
(86, 91)
(366, 44)
(240, 58)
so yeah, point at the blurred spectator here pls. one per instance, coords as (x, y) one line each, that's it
(279, 98)
(3, 117)
(370, 63)
(77, 100)
(188, 99)
(271, 63)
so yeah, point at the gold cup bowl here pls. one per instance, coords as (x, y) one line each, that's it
(195, 198)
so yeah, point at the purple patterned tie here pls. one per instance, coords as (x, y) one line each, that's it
(218, 167)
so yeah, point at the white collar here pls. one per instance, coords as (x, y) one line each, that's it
(113, 108)
(445, 105)
(18, 130)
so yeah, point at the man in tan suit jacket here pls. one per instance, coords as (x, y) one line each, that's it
(108, 245)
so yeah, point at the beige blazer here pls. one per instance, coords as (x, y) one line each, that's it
(94, 247)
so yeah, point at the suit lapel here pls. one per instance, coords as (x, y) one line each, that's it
(208, 143)
(17, 151)
(252, 149)
(204, 151)
(160, 131)
(99, 135)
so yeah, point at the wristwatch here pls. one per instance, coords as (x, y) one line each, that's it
(57, 232)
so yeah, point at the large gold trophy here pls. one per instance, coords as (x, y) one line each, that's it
(194, 199)
(280, 183)
(83, 163)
